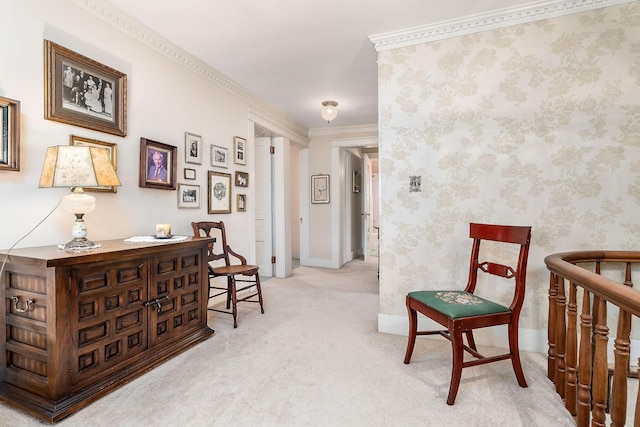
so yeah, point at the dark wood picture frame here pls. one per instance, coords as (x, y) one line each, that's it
(189, 174)
(77, 91)
(241, 203)
(10, 134)
(242, 179)
(113, 156)
(219, 193)
(165, 179)
(320, 189)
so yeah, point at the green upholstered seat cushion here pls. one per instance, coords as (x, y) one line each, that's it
(457, 304)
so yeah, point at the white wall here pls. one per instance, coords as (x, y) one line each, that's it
(165, 100)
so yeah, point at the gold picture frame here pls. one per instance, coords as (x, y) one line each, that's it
(82, 92)
(219, 193)
(113, 156)
(10, 134)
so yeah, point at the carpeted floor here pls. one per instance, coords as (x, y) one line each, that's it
(315, 358)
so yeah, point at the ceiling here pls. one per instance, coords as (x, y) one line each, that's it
(296, 54)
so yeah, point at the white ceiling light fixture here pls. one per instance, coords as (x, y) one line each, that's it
(329, 110)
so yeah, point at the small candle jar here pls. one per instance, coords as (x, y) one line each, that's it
(163, 230)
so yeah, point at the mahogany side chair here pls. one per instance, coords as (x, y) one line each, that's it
(460, 312)
(233, 272)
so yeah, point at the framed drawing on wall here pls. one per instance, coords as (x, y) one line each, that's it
(241, 203)
(219, 193)
(242, 179)
(10, 133)
(192, 148)
(320, 189)
(157, 165)
(111, 149)
(188, 196)
(82, 92)
(189, 173)
(240, 152)
(219, 156)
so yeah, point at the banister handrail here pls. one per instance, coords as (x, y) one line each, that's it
(579, 334)
(563, 264)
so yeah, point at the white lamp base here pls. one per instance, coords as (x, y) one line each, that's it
(79, 232)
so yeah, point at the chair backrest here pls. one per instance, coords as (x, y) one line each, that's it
(519, 235)
(206, 229)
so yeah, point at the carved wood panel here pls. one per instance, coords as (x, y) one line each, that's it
(175, 284)
(110, 316)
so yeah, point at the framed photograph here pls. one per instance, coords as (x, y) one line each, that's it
(320, 188)
(192, 148)
(111, 149)
(188, 196)
(219, 156)
(82, 92)
(219, 193)
(10, 133)
(157, 165)
(357, 181)
(242, 179)
(241, 203)
(240, 152)
(189, 173)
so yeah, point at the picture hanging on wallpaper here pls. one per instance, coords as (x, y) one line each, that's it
(240, 154)
(157, 165)
(10, 132)
(192, 148)
(188, 196)
(82, 92)
(219, 156)
(111, 149)
(219, 193)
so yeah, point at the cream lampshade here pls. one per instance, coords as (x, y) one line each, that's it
(77, 167)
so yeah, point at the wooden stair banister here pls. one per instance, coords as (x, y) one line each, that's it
(577, 351)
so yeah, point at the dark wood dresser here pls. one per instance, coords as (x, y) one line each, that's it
(75, 326)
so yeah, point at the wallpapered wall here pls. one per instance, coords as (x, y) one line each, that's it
(535, 124)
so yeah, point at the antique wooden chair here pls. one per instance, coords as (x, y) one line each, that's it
(461, 311)
(233, 272)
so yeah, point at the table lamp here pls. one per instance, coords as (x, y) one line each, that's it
(77, 167)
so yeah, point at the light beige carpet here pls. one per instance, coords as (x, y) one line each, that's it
(315, 359)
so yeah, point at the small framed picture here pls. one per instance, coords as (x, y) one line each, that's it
(241, 203)
(242, 179)
(82, 92)
(189, 173)
(10, 134)
(320, 188)
(219, 156)
(219, 193)
(240, 153)
(157, 165)
(188, 196)
(192, 148)
(357, 181)
(111, 149)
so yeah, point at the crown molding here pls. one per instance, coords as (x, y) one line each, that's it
(157, 42)
(341, 130)
(500, 18)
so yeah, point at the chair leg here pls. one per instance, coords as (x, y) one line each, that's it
(515, 354)
(234, 302)
(413, 327)
(229, 282)
(259, 292)
(457, 347)
(470, 340)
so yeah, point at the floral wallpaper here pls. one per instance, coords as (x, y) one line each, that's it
(535, 124)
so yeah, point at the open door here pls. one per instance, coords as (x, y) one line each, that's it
(263, 194)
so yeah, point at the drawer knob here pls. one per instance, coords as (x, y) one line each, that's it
(22, 307)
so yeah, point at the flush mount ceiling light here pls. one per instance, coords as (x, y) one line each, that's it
(329, 110)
